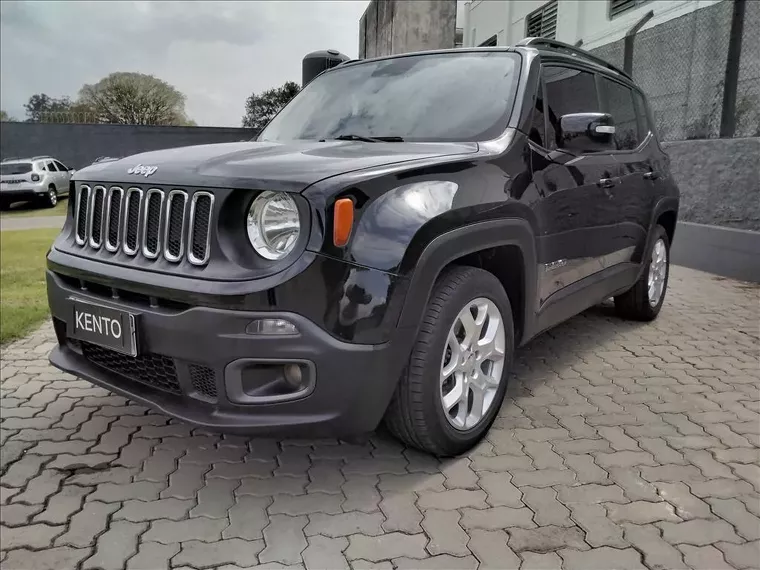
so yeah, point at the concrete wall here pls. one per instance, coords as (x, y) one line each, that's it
(78, 145)
(400, 26)
(719, 181)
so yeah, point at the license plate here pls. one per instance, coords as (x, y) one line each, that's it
(103, 326)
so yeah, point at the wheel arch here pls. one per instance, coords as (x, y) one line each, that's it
(505, 247)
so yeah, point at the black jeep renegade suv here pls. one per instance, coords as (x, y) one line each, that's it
(377, 254)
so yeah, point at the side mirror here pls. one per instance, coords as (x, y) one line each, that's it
(586, 132)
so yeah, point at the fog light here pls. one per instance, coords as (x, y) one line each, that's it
(271, 327)
(293, 375)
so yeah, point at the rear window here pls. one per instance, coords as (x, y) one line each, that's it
(15, 168)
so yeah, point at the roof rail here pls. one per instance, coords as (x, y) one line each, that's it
(40, 157)
(571, 50)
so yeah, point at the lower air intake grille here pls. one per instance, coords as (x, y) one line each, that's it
(204, 380)
(150, 369)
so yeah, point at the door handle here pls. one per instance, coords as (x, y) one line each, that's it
(607, 182)
(653, 175)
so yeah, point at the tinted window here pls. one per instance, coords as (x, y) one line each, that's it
(51, 167)
(15, 168)
(568, 91)
(462, 97)
(60, 166)
(643, 115)
(619, 104)
(538, 124)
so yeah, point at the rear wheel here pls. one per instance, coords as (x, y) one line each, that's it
(51, 198)
(644, 300)
(454, 385)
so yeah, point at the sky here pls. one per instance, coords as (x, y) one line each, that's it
(216, 53)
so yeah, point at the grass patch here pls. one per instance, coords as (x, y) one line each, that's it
(23, 297)
(32, 210)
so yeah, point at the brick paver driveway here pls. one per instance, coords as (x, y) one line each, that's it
(621, 445)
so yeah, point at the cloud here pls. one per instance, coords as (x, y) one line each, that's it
(216, 53)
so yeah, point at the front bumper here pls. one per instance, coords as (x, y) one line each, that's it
(352, 383)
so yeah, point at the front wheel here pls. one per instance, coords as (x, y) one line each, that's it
(644, 300)
(454, 384)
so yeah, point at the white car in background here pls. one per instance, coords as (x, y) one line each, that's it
(39, 179)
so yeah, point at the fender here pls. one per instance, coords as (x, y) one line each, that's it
(664, 204)
(463, 241)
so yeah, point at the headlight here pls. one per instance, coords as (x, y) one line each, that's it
(273, 224)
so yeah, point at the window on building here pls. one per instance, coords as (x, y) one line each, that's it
(543, 22)
(568, 91)
(459, 38)
(617, 7)
(490, 42)
(619, 103)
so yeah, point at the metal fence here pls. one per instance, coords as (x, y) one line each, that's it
(682, 66)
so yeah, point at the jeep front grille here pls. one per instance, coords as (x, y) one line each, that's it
(149, 222)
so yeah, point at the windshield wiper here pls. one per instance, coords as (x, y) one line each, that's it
(367, 139)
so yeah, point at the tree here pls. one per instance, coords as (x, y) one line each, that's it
(42, 108)
(134, 99)
(4, 118)
(259, 109)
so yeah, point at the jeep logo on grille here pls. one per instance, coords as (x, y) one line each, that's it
(144, 170)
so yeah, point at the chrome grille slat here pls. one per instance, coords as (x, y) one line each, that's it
(174, 246)
(95, 223)
(113, 218)
(151, 233)
(83, 199)
(199, 234)
(132, 220)
(154, 222)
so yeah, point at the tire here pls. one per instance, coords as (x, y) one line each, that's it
(51, 198)
(636, 304)
(416, 413)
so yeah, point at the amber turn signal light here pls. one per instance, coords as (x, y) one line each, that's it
(343, 220)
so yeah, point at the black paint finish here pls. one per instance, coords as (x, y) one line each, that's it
(562, 230)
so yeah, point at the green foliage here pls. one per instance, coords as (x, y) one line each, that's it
(134, 99)
(4, 118)
(260, 109)
(41, 108)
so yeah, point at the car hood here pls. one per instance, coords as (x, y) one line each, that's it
(289, 166)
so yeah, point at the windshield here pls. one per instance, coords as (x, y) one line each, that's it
(15, 168)
(464, 96)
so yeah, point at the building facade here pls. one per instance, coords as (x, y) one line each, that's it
(594, 22)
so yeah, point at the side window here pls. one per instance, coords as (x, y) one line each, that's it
(41, 167)
(60, 167)
(568, 91)
(619, 104)
(642, 112)
(538, 119)
(51, 167)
